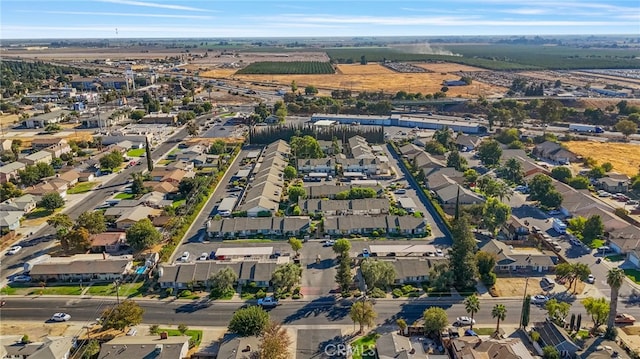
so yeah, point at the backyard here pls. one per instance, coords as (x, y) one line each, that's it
(196, 335)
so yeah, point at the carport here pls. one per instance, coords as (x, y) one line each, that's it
(395, 250)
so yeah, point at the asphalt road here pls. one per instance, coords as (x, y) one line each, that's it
(323, 311)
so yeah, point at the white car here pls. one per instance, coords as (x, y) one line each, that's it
(439, 253)
(329, 243)
(13, 250)
(184, 257)
(539, 299)
(61, 317)
(203, 257)
(591, 279)
(464, 321)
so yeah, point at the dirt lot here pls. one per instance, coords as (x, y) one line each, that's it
(35, 331)
(449, 67)
(625, 157)
(514, 287)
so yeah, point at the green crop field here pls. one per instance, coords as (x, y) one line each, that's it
(287, 68)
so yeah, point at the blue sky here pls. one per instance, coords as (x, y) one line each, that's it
(313, 18)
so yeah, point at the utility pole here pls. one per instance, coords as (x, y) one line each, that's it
(117, 284)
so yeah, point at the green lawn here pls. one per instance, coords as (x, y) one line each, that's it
(633, 274)
(57, 290)
(196, 335)
(125, 196)
(616, 257)
(484, 331)
(364, 346)
(225, 296)
(39, 212)
(597, 243)
(164, 162)
(130, 290)
(8, 290)
(178, 203)
(136, 153)
(82, 187)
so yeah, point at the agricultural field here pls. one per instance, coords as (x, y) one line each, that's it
(295, 67)
(624, 157)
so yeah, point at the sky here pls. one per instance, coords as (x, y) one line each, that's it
(46, 19)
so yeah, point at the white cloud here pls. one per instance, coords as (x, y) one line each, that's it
(128, 14)
(525, 11)
(155, 5)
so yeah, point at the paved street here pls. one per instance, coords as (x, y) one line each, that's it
(322, 311)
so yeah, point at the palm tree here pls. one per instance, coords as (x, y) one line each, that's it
(499, 311)
(615, 277)
(472, 306)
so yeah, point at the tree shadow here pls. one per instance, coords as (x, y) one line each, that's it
(322, 264)
(412, 311)
(193, 306)
(333, 309)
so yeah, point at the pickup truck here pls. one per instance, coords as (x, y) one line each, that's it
(268, 302)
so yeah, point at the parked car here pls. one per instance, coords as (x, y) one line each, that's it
(464, 321)
(21, 279)
(365, 253)
(13, 250)
(132, 332)
(184, 257)
(539, 299)
(203, 257)
(268, 302)
(329, 243)
(591, 279)
(624, 319)
(61, 317)
(632, 202)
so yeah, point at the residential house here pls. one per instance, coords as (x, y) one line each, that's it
(10, 171)
(134, 215)
(10, 220)
(392, 345)
(318, 165)
(44, 119)
(259, 273)
(54, 185)
(236, 347)
(444, 177)
(42, 142)
(173, 176)
(410, 150)
(37, 157)
(84, 83)
(25, 204)
(58, 149)
(529, 166)
(413, 270)
(86, 176)
(198, 274)
(105, 120)
(155, 200)
(159, 347)
(71, 177)
(476, 347)
(82, 267)
(359, 148)
(555, 152)
(328, 147)
(553, 335)
(624, 240)
(467, 143)
(613, 183)
(162, 187)
(108, 242)
(160, 118)
(5, 144)
(12, 346)
(574, 200)
(633, 257)
(330, 191)
(452, 194)
(135, 140)
(514, 229)
(184, 165)
(358, 207)
(116, 83)
(266, 226)
(519, 261)
(402, 225)
(426, 162)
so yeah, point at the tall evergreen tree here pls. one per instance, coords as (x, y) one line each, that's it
(526, 311)
(462, 253)
(148, 152)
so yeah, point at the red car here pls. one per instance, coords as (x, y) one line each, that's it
(624, 319)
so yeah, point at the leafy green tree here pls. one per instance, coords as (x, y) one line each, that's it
(91, 349)
(615, 278)
(377, 274)
(435, 320)
(579, 182)
(78, 239)
(93, 221)
(344, 278)
(9, 190)
(222, 282)
(275, 342)
(576, 225)
(470, 176)
(310, 90)
(456, 161)
(550, 111)
(305, 147)
(52, 201)
(495, 214)
(125, 314)
(137, 184)
(296, 193)
(489, 152)
(290, 173)
(507, 136)
(363, 313)
(192, 128)
(539, 185)
(512, 171)
(444, 136)
(556, 310)
(561, 173)
(596, 172)
(441, 278)
(402, 325)
(462, 259)
(607, 166)
(143, 235)
(627, 127)
(486, 262)
(296, 244)
(249, 321)
(137, 115)
(435, 148)
(112, 160)
(218, 147)
(286, 276)
(550, 352)
(499, 312)
(147, 151)
(342, 247)
(593, 228)
(472, 306)
(598, 309)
